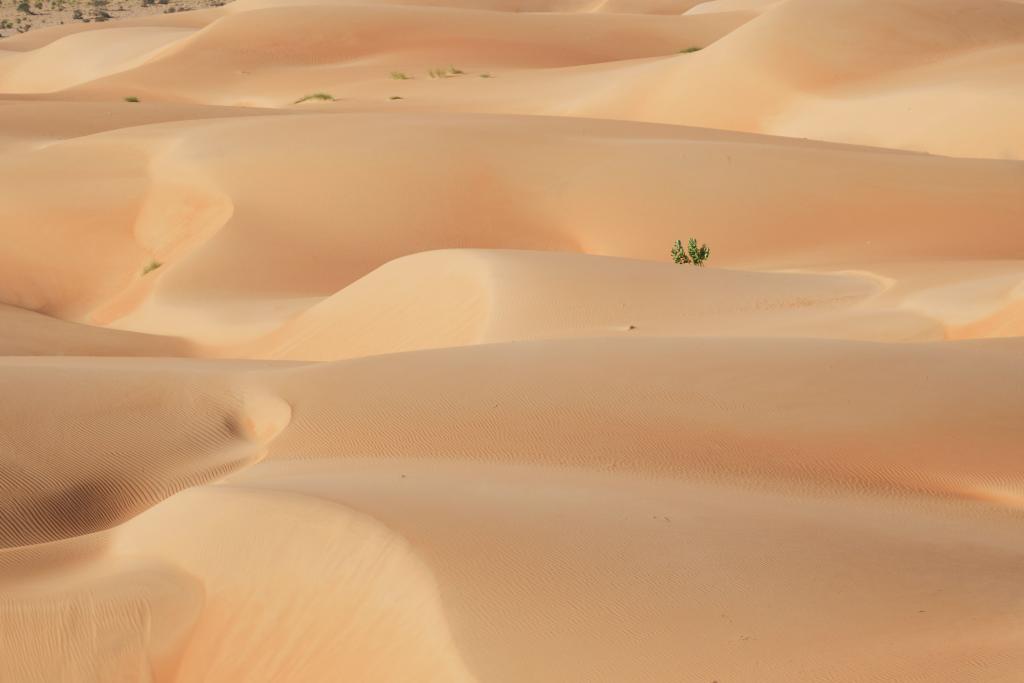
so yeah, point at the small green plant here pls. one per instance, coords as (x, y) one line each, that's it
(688, 50)
(486, 76)
(23, 6)
(315, 96)
(151, 266)
(399, 76)
(131, 98)
(396, 97)
(691, 253)
(445, 73)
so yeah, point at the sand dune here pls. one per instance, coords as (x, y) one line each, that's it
(746, 455)
(899, 74)
(157, 193)
(400, 383)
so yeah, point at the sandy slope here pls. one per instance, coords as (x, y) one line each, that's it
(893, 73)
(409, 389)
(835, 504)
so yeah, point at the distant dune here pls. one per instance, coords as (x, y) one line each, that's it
(341, 340)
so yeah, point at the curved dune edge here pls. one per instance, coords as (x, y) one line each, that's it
(198, 587)
(151, 194)
(414, 494)
(571, 547)
(864, 78)
(274, 555)
(463, 297)
(864, 73)
(86, 454)
(453, 298)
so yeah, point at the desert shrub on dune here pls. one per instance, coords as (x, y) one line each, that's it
(691, 253)
(445, 73)
(688, 50)
(151, 266)
(399, 76)
(131, 98)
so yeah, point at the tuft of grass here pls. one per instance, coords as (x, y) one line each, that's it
(691, 253)
(396, 97)
(400, 76)
(151, 266)
(486, 76)
(316, 96)
(131, 98)
(445, 73)
(688, 50)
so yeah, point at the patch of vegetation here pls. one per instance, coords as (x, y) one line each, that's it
(400, 76)
(486, 76)
(23, 6)
(316, 96)
(131, 98)
(445, 73)
(688, 50)
(691, 253)
(396, 97)
(151, 266)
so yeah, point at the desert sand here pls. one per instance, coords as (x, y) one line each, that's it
(400, 383)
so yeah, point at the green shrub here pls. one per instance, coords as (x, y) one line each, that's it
(131, 98)
(691, 253)
(688, 50)
(315, 96)
(151, 266)
(399, 76)
(445, 73)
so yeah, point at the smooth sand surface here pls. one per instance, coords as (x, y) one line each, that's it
(401, 384)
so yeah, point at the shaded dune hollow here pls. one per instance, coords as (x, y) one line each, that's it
(347, 340)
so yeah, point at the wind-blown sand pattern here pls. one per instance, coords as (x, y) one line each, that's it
(400, 383)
